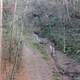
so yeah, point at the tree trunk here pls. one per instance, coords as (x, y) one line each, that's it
(0, 35)
(12, 44)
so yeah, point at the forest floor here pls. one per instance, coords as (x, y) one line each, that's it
(39, 68)
(71, 69)
(35, 67)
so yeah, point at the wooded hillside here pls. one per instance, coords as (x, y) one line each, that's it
(58, 21)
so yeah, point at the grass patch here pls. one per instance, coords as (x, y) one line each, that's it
(41, 50)
(56, 76)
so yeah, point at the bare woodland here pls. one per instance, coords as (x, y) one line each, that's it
(48, 27)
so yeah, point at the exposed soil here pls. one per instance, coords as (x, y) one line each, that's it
(37, 68)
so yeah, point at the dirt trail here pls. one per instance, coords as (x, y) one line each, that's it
(36, 67)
